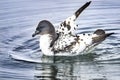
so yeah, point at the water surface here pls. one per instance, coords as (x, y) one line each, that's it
(20, 56)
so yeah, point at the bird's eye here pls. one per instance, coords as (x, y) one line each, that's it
(40, 27)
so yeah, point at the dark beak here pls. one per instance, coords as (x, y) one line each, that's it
(36, 33)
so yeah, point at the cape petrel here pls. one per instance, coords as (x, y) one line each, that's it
(63, 41)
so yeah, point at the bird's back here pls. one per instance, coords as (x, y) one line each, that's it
(74, 44)
(79, 43)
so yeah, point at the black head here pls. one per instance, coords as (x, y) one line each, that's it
(44, 27)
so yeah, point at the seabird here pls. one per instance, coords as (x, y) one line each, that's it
(63, 41)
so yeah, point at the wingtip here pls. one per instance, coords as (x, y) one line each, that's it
(80, 10)
(89, 2)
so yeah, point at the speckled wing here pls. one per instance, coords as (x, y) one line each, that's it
(63, 42)
(68, 26)
(80, 43)
(73, 43)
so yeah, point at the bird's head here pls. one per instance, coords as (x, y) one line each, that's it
(44, 27)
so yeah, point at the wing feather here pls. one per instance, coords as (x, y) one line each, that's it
(68, 26)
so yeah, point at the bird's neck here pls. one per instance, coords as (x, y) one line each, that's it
(45, 42)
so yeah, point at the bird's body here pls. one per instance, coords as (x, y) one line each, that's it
(72, 44)
(63, 41)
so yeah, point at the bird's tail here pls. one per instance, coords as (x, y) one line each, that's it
(100, 36)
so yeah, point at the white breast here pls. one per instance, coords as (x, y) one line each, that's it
(45, 41)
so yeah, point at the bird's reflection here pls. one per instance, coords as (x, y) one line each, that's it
(45, 72)
(49, 71)
(58, 68)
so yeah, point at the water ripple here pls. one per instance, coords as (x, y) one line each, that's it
(20, 53)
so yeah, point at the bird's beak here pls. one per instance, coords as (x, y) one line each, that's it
(36, 33)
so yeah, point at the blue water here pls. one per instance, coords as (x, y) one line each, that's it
(21, 59)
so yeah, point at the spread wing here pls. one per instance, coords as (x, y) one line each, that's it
(68, 26)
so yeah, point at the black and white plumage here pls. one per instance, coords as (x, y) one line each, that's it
(63, 41)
